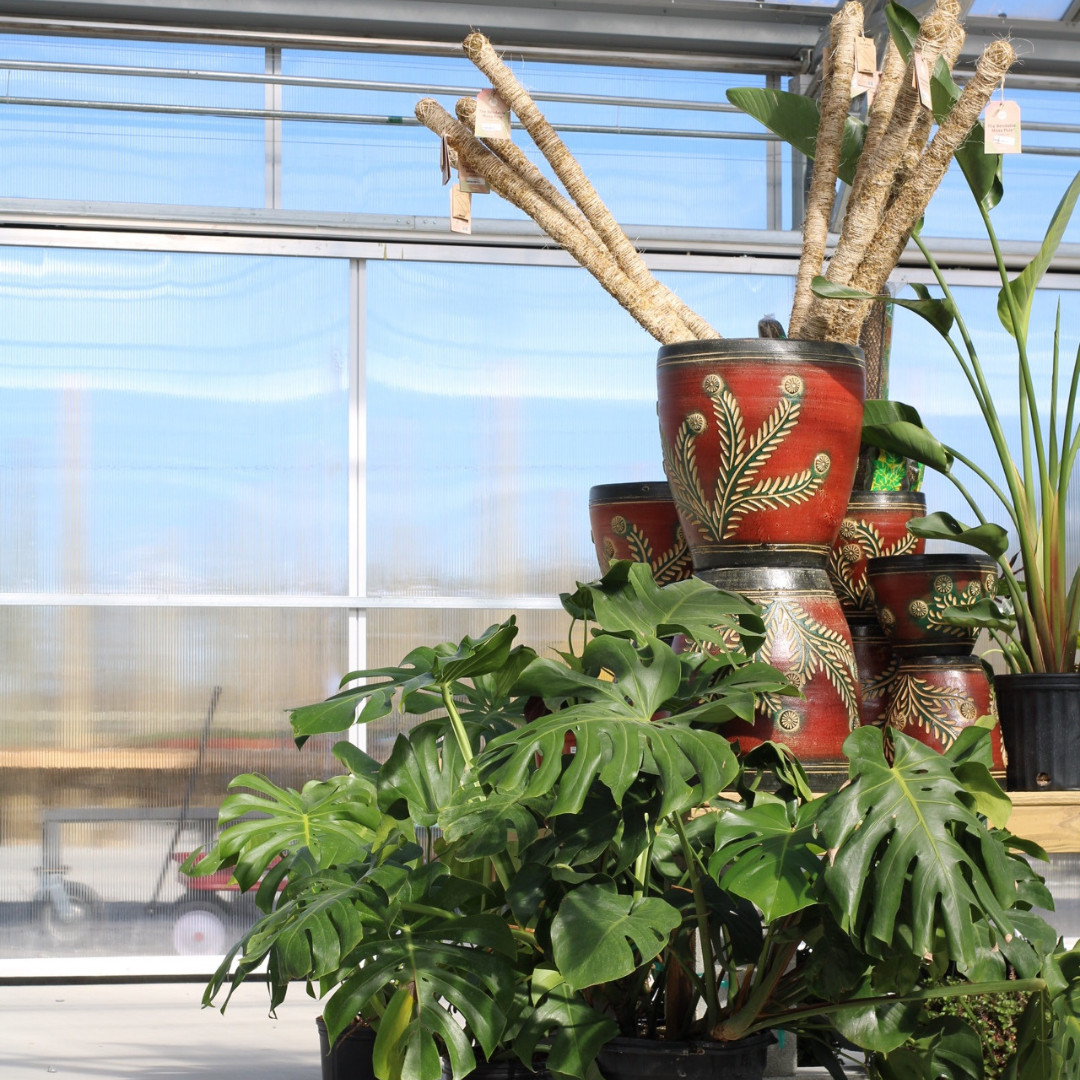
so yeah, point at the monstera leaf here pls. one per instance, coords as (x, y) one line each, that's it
(600, 935)
(768, 855)
(453, 962)
(905, 850)
(627, 600)
(481, 822)
(617, 737)
(421, 775)
(946, 1048)
(336, 820)
(419, 675)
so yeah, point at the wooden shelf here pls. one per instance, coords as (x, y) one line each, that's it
(1050, 818)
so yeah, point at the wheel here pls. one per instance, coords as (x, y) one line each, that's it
(72, 919)
(199, 930)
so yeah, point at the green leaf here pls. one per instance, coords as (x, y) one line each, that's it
(907, 827)
(990, 800)
(881, 1027)
(795, 118)
(768, 858)
(627, 600)
(422, 774)
(575, 1031)
(991, 538)
(1023, 286)
(481, 822)
(600, 935)
(940, 314)
(356, 761)
(616, 733)
(388, 1054)
(898, 428)
(946, 1049)
(335, 819)
(989, 613)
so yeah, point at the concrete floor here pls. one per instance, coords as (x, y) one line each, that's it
(155, 1031)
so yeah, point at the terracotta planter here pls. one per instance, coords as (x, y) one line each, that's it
(1040, 720)
(911, 593)
(876, 663)
(875, 525)
(807, 638)
(935, 697)
(761, 439)
(639, 522)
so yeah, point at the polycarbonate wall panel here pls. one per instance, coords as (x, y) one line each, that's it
(392, 634)
(54, 152)
(172, 422)
(497, 395)
(127, 713)
(659, 180)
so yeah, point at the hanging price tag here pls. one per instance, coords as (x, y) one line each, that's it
(444, 159)
(460, 210)
(861, 83)
(472, 182)
(492, 116)
(1002, 128)
(922, 79)
(865, 56)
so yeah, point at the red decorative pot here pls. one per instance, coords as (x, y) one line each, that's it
(875, 525)
(912, 592)
(807, 638)
(639, 522)
(876, 664)
(761, 440)
(935, 697)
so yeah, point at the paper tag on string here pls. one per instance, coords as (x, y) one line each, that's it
(1002, 128)
(865, 56)
(861, 83)
(922, 79)
(492, 116)
(472, 182)
(460, 210)
(444, 159)
(871, 91)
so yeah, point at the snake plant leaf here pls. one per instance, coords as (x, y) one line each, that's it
(600, 935)
(617, 736)
(1023, 286)
(939, 313)
(905, 830)
(335, 819)
(946, 1049)
(627, 600)
(991, 538)
(795, 118)
(981, 170)
(769, 856)
(574, 1032)
(898, 428)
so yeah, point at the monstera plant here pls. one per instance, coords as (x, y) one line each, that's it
(607, 865)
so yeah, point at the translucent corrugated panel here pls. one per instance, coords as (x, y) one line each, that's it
(1062, 875)
(172, 422)
(656, 180)
(924, 373)
(497, 395)
(51, 152)
(121, 728)
(392, 634)
(1033, 183)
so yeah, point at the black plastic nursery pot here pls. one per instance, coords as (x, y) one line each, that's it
(654, 1059)
(508, 1068)
(351, 1057)
(1040, 724)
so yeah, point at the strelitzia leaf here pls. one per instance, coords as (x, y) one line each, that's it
(991, 538)
(990, 613)
(1023, 286)
(940, 314)
(898, 428)
(600, 935)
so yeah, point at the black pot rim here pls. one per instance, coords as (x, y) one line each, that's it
(889, 499)
(1039, 680)
(966, 661)
(638, 491)
(775, 350)
(652, 1046)
(891, 564)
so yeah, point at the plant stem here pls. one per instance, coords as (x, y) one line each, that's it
(988, 481)
(712, 996)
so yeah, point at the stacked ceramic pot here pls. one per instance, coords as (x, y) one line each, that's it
(761, 441)
(935, 688)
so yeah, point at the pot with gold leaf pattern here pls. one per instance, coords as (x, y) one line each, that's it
(935, 697)
(639, 522)
(807, 638)
(760, 440)
(876, 664)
